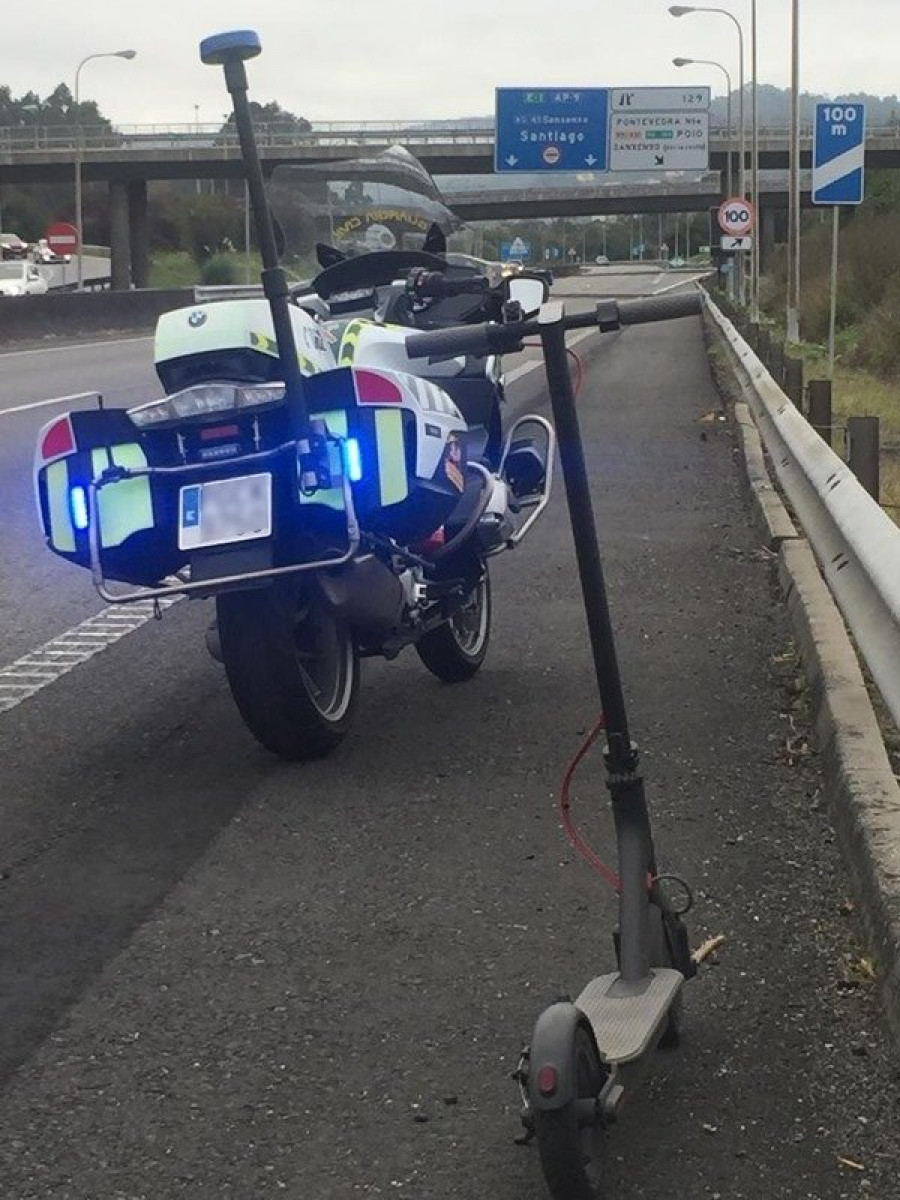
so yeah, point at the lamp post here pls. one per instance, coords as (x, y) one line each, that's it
(79, 154)
(793, 299)
(682, 10)
(709, 62)
(754, 167)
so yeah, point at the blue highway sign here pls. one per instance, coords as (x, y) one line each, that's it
(839, 152)
(551, 129)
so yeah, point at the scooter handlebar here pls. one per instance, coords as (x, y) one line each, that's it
(486, 339)
(659, 308)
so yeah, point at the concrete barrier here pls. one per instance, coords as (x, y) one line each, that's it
(66, 314)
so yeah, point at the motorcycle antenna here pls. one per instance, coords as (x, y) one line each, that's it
(230, 51)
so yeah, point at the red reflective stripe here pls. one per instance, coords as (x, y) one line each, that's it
(58, 439)
(372, 388)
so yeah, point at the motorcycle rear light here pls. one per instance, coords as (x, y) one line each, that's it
(352, 460)
(58, 439)
(203, 399)
(373, 388)
(78, 506)
(547, 1080)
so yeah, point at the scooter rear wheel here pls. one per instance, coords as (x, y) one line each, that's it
(292, 667)
(569, 1148)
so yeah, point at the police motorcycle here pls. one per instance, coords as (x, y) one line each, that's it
(335, 498)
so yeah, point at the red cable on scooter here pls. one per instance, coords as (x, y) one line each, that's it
(582, 847)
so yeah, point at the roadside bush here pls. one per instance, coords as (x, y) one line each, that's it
(220, 269)
(878, 346)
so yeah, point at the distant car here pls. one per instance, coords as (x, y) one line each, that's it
(21, 279)
(601, 260)
(12, 246)
(41, 253)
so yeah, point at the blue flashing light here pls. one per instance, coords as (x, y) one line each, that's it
(78, 506)
(353, 460)
(235, 44)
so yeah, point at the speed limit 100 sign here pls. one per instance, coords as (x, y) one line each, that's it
(736, 216)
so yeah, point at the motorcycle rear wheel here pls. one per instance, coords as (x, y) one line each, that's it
(292, 667)
(457, 648)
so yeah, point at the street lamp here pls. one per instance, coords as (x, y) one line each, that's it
(682, 10)
(710, 62)
(78, 150)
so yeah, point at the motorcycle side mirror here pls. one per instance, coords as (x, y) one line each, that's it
(528, 291)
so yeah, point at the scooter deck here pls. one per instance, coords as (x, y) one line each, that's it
(626, 1017)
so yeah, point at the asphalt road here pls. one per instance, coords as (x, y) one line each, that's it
(224, 976)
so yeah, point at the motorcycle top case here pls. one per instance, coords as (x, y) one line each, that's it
(407, 472)
(233, 339)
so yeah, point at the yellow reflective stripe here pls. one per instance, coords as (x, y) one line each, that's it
(62, 532)
(263, 343)
(391, 455)
(336, 420)
(127, 506)
(349, 341)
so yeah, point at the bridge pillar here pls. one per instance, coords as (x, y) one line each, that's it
(766, 238)
(119, 236)
(139, 229)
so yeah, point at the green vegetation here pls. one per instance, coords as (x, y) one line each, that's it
(867, 341)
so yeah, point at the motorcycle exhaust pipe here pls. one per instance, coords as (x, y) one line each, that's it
(365, 594)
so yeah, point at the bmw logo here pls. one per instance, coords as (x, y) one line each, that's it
(196, 319)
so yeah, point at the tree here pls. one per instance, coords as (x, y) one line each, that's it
(274, 117)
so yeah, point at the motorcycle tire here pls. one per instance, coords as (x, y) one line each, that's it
(457, 648)
(292, 667)
(570, 1152)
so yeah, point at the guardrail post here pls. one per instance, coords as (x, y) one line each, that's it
(793, 379)
(776, 361)
(753, 335)
(864, 453)
(819, 393)
(764, 343)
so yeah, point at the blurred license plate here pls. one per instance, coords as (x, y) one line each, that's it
(224, 511)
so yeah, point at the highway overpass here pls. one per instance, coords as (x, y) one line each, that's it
(128, 158)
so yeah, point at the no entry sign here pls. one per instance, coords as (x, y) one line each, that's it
(736, 216)
(62, 238)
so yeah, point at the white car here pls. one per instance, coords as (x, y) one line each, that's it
(41, 253)
(21, 279)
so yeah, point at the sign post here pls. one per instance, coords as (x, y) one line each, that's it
(839, 150)
(737, 219)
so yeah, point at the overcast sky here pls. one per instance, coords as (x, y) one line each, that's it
(352, 59)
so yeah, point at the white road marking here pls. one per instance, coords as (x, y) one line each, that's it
(680, 283)
(75, 346)
(4, 412)
(39, 668)
(524, 368)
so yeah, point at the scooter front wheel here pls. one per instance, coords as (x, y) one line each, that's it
(569, 1138)
(292, 667)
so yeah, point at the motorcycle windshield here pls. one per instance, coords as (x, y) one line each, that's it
(387, 201)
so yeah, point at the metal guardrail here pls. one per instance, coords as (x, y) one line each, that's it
(856, 543)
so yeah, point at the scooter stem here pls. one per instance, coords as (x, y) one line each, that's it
(622, 758)
(634, 842)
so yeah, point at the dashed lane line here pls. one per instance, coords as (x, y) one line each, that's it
(43, 666)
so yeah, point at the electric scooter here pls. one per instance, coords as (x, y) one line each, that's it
(585, 1053)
